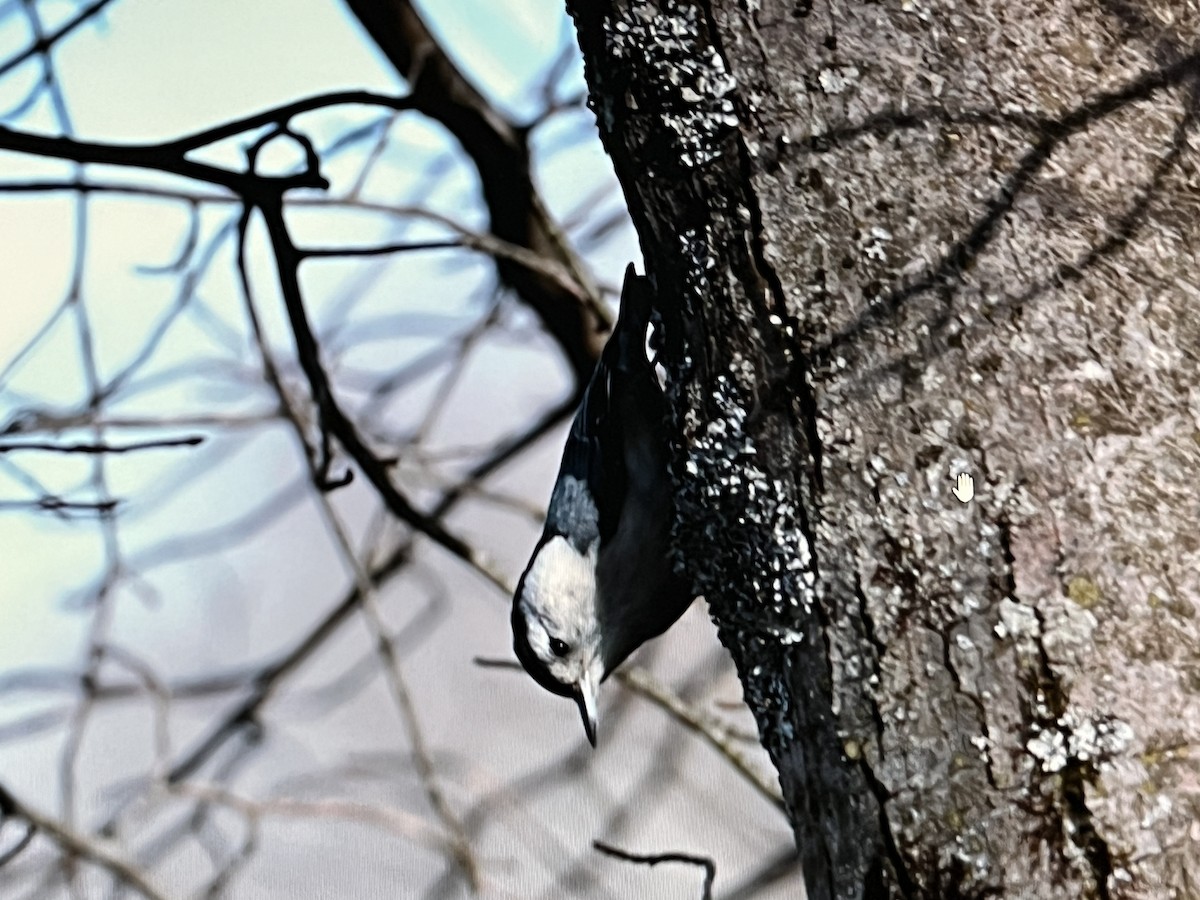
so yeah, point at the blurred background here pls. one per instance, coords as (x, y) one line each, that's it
(224, 671)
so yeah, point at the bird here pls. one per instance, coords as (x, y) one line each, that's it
(600, 581)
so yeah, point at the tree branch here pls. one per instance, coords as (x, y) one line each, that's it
(710, 867)
(74, 844)
(45, 43)
(498, 149)
(333, 420)
(102, 448)
(171, 156)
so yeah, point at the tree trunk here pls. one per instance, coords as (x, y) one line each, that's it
(894, 242)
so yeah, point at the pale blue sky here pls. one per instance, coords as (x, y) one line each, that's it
(150, 70)
(506, 750)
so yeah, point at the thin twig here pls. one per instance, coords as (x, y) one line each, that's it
(46, 42)
(16, 849)
(458, 841)
(334, 421)
(59, 505)
(460, 845)
(380, 250)
(406, 825)
(710, 867)
(171, 156)
(76, 845)
(270, 676)
(714, 732)
(535, 263)
(490, 662)
(719, 736)
(100, 448)
(484, 243)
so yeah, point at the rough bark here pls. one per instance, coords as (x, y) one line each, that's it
(895, 241)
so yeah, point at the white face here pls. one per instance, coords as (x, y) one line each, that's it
(559, 603)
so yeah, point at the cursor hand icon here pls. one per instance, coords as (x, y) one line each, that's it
(964, 490)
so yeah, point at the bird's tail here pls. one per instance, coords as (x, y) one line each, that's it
(629, 334)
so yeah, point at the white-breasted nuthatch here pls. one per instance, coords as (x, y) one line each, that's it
(599, 583)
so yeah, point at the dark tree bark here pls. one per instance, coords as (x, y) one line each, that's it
(896, 242)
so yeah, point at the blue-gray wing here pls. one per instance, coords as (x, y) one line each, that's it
(622, 388)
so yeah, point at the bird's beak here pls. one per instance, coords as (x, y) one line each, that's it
(585, 696)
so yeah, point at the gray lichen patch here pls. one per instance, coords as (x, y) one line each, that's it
(723, 462)
(735, 495)
(688, 87)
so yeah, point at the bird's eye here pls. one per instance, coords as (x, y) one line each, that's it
(561, 648)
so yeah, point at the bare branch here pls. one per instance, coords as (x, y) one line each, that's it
(97, 449)
(16, 849)
(46, 42)
(171, 156)
(159, 157)
(710, 867)
(59, 505)
(498, 149)
(721, 738)
(283, 114)
(382, 250)
(407, 826)
(76, 845)
(460, 845)
(715, 733)
(485, 243)
(333, 420)
(268, 680)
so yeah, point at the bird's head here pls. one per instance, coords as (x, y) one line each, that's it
(556, 633)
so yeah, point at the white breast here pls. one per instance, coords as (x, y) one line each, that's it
(561, 586)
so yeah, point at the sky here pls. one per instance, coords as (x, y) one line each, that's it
(197, 598)
(151, 71)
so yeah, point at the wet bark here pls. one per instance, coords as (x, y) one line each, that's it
(892, 243)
